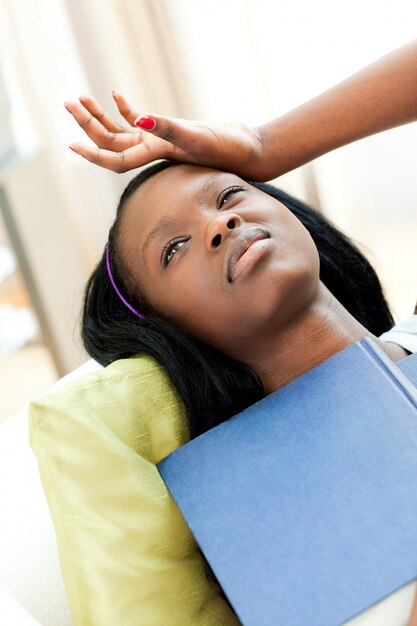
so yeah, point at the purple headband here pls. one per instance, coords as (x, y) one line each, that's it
(125, 302)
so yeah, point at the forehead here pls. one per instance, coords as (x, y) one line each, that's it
(167, 194)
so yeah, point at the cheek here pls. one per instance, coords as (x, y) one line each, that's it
(197, 303)
(185, 294)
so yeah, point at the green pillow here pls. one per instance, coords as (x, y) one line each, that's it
(126, 553)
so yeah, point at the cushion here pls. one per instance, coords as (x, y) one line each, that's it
(126, 553)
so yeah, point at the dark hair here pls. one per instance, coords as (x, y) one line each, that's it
(212, 386)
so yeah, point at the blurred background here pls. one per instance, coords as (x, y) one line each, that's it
(248, 60)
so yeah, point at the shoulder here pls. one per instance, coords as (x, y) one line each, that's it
(404, 333)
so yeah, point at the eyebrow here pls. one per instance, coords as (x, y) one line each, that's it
(210, 184)
(163, 225)
(166, 222)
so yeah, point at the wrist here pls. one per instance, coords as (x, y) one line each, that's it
(287, 143)
(264, 158)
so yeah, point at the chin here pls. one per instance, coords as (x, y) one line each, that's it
(285, 297)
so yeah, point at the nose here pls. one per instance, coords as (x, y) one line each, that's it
(219, 228)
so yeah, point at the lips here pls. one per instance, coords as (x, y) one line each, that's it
(240, 245)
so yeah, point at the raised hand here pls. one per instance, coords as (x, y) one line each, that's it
(231, 146)
(343, 114)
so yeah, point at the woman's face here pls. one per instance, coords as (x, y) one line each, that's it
(218, 258)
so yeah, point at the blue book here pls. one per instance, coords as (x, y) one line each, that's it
(305, 504)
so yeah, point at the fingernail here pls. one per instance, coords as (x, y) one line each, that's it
(68, 109)
(148, 123)
(74, 149)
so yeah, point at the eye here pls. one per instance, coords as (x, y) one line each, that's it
(228, 193)
(170, 249)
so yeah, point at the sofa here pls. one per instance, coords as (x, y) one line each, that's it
(32, 591)
(31, 586)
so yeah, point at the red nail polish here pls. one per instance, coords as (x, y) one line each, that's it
(74, 150)
(148, 123)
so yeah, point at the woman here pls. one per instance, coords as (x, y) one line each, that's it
(211, 311)
(224, 277)
(277, 321)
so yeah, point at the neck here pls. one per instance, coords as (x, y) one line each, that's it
(318, 333)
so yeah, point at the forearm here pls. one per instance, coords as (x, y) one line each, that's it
(379, 97)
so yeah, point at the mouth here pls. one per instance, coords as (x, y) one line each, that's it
(241, 245)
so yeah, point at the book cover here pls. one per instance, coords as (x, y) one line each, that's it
(408, 366)
(305, 504)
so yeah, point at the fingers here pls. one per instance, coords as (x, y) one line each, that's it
(104, 132)
(171, 130)
(192, 138)
(121, 148)
(124, 107)
(119, 162)
(99, 113)
(105, 158)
